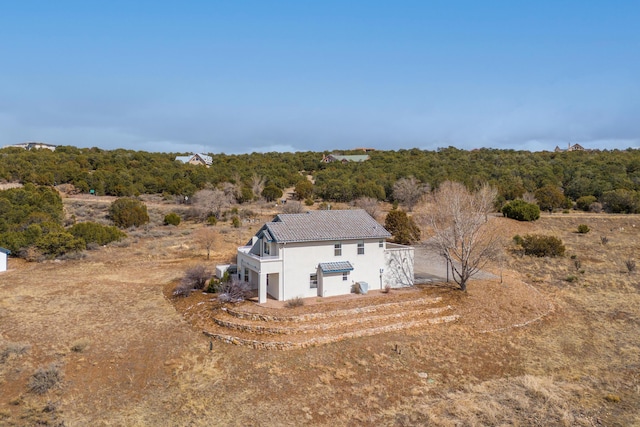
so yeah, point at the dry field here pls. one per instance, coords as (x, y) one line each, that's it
(553, 344)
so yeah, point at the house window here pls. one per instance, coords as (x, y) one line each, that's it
(265, 247)
(381, 243)
(337, 249)
(313, 281)
(246, 275)
(360, 248)
(345, 276)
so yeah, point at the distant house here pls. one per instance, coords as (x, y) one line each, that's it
(196, 159)
(322, 253)
(33, 146)
(574, 147)
(3, 258)
(330, 158)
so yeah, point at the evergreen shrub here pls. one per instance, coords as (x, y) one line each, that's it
(172, 219)
(521, 210)
(128, 212)
(542, 246)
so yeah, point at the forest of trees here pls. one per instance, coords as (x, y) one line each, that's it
(32, 225)
(610, 178)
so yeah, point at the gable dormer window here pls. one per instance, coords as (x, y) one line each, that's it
(265, 247)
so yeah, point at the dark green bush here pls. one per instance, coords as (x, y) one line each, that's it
(621, 201)
(246, 195)
(521, 210)
(235, 221)
(303, 189)
(584, 202)
(172, 219)
(271, 193)
(128, 212)
(549, 197)
(583, 229)
(92, 232)
(402, 227)
(226, 277)
(542, 246)
(58, 243)
(213, 286)
(212, 220)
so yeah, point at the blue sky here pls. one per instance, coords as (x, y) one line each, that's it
(243, 76)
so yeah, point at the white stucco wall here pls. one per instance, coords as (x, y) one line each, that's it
(290, 266)
(3, 261)
(302, 259)
(399, 261)
(332, 285)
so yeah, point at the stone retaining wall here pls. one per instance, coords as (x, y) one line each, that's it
(288, 345)
(325, 315)
(257, 329)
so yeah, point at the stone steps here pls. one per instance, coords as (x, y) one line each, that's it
(283, 332)
(325, 339)
(249, 315)
(223, 319)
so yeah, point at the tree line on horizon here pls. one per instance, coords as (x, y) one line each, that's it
(609, 177)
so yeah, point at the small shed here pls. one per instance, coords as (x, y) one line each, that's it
(4, 253)
(222, 268)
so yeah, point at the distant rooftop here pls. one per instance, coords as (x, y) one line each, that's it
(574, 147)
(195, 159)
(33, 145)
(357, 158)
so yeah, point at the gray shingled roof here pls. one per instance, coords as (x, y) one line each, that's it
(336, 267)
(325, 225)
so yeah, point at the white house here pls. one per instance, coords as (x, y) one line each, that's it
(196, 159)
(357, 158)
(322, 253)
(3, 258)
(33, 146)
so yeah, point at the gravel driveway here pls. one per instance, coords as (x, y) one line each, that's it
(430, 267)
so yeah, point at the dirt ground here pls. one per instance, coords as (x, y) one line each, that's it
(553, 343)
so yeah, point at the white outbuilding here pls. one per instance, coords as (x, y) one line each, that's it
(4, 253)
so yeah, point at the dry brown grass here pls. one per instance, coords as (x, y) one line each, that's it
(143, 364)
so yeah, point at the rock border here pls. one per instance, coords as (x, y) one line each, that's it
(289, 345)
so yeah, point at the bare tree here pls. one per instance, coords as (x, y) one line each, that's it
(486, 197)
(206, 237)
(293, 206)
(461, 233)
(211, 202)
(369, 204)
(529, 198)
(409, 191)
(234, 291)
(257, 185)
